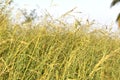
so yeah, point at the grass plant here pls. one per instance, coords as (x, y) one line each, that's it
(50, 52)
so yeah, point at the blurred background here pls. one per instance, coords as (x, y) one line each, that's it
(92, 9)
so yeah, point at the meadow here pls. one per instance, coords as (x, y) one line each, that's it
(52, 51)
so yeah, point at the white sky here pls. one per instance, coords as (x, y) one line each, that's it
(92, 9)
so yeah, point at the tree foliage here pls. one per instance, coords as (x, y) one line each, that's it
(114, 2)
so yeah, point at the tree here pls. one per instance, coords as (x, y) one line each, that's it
(114, 2)
(29, 17)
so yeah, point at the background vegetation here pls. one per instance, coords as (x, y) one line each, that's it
(56, 50)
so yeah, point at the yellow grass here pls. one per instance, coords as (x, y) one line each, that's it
(57, 52)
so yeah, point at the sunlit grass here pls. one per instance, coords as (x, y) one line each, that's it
(57, 53)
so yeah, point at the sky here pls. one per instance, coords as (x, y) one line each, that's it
(98, 10)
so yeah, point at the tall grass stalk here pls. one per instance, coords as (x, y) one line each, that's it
(52, 51)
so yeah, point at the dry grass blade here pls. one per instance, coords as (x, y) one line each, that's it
(103, 59)
(67, 13)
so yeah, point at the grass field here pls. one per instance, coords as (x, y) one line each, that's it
(57, 53)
